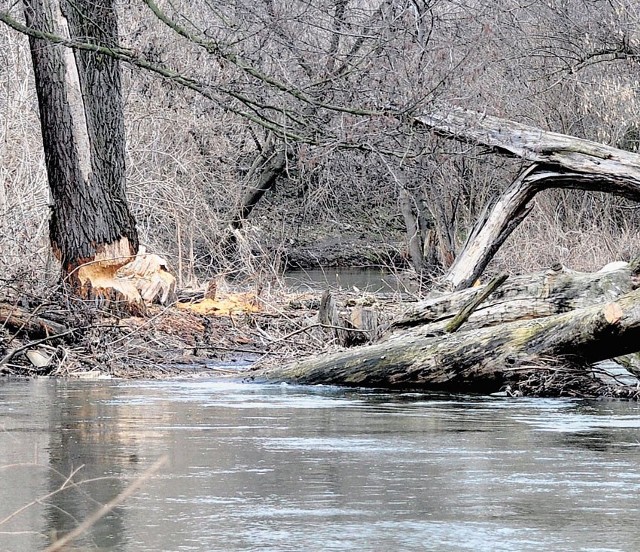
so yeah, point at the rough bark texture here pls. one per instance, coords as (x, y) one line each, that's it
(272, 166)
(558, 161)
(556, 318)
(21, 320)
(482, 360)
(553, 291)
(79, 96)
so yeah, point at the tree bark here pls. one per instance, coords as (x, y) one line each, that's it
(270, 165)
(415, 234)
(558, 161)
(79, 94)
(557, 321)
(481, 360)
(553, 291)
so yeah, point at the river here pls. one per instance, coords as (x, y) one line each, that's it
(285, 468)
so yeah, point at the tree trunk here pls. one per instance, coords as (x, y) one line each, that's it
(553, 291)
(480, 360)
(262, 177)
(92, 231)
(267, 168)
(558, 161)
(415, 234)
(553, 322)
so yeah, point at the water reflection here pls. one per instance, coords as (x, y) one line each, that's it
(288, 468)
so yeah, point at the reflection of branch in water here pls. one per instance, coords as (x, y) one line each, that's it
(67, 483)
(106, 508)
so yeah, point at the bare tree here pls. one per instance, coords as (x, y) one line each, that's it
(79, 95)
(313, 103)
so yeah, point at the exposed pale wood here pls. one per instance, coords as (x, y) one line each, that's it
(101, 288)
(364, 318)
(144, 280)
(151, 278)
(481, 360)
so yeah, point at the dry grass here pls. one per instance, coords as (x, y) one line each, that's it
(187, 162)
(584, 239)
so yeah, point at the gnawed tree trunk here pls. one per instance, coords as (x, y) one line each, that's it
(558, 161)
(603, 321)
(92, 231)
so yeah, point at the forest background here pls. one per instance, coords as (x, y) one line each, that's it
(297, 132)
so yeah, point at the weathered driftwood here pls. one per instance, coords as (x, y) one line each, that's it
(557, 161)
(515, 332)
(472, 305)
(21, 320)
(553, 291)
(481, 360)
(556, 317)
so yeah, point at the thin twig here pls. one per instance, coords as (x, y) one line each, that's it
(64, 486)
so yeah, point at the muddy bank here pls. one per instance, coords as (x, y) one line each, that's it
(237, 333)
(60, 336)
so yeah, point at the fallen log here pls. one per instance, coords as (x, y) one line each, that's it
(551, 322)
(537, 295)
(478, 360)
(554, 322)
(21, 320)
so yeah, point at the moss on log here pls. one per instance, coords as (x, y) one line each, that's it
(480, 360)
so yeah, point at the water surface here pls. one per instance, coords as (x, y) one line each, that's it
(283, 468)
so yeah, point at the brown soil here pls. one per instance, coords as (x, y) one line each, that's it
(196, 336)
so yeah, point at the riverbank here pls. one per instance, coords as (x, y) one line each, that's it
(244, 334)
(60, 336)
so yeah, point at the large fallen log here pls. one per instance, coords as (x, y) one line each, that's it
(479, 360)
(558, 322)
